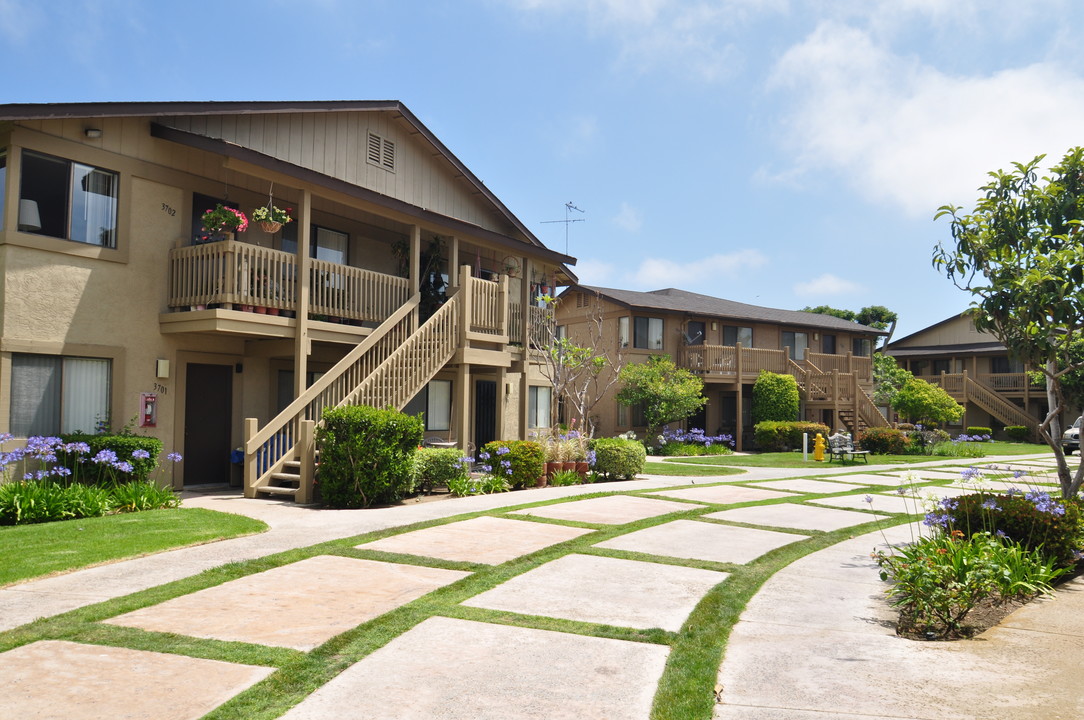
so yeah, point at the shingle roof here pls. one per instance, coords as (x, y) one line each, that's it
(676, 300)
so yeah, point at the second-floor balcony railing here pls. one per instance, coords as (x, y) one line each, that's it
(723, 361)
(238, 275)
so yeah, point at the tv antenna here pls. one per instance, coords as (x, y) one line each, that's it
(567, 221)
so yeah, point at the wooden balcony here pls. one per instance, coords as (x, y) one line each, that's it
(1015, 385)
(239, 276)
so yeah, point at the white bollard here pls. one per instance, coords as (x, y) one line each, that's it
(805, 447)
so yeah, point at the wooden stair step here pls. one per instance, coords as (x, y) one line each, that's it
(277, 490)
(286, 477)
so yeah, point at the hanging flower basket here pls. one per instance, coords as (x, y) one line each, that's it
(270, 218)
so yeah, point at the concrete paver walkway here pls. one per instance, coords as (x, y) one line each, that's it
(815, 642)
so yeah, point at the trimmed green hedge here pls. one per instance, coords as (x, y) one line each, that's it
(775, 398)
(1017, 433)
(525, 457)
(979, 431)
(366, 455)
(617, 458)
(774, 436)
(86, 471)
(437, 466)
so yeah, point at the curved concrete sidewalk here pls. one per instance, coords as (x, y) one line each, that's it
(818, 641)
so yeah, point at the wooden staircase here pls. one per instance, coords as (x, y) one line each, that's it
(840, 392)
(388, 368)
(989, 400)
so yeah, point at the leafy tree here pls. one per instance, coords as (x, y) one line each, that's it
(920, 401)
(666, 392)
(848, 315)
(888, 378)
(875, 316)
(582, 374)
(775, 398)
(1020, 255)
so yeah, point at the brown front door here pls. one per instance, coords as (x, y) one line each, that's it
(208, 407)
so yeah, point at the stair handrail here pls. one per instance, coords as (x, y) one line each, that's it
(869, 412)
(293, 410)
(993, 403)
(436, 339)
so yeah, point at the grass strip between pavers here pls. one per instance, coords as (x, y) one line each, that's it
(685, 691)
(76, 544)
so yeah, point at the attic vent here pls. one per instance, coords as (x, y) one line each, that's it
(381, 151)
(581, 300)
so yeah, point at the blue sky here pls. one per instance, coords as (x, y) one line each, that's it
(782, 153)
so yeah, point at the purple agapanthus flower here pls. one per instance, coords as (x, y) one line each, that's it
(140, 454)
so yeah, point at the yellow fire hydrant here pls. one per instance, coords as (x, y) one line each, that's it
(818, 448)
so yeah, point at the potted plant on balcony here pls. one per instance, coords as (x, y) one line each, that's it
(224, 222)
(271, 218)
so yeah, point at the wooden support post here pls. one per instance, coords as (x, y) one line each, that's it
(302, 343)
(524, 401)
(252, 426)
(502, 400)
(462, 405)
(835, 398)
(415, 258)
(502, 304)
(306, 447)
(465, 305)
(740, 411)
(453, 262)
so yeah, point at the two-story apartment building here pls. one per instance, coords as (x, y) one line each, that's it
(727, 344)
(403, 280)
(977, 371)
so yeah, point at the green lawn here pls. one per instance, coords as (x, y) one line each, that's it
(33, 550)
(794, 459)
(673, 467)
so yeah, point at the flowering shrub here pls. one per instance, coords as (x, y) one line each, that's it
(937, 581)
(1048, 525)
(88, 456)
(272, 214)
(52, 490)
(884, 441)
(559, 446)
(693, 442)
(224, 219)
(462, 486)
(518, 462)
(962, 445)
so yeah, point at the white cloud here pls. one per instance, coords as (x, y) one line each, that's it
(680, 36)
(595, 272)
(655, 273)
(904, 133)
(826, 284)
(628, 218)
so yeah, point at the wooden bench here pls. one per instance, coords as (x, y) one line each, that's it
(841, 446)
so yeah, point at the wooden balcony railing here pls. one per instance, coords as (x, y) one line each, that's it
(722, 360)
(234, 274)
(488, 313)
(862, 367)
(353, 293)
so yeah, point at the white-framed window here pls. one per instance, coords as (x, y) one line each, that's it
(647, 333)
(623, 331)
(438, 405)
(796, 344)
(52, 394)
(538, 406)
(732, 335)
(68, 200)
(434, 403)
